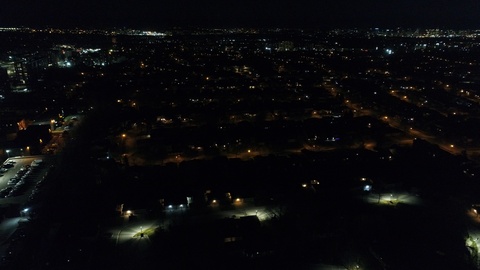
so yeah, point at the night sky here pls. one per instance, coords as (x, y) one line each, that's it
(453, 14)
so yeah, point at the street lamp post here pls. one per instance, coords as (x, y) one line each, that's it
(52, 125)
(8, 153)
(123, 142)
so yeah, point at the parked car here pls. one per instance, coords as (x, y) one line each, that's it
(5, 192)
(12, 181)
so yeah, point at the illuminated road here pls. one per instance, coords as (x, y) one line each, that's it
(131, 249)
(414, 132)
(7, 228)
(393, 198)
(244, 209)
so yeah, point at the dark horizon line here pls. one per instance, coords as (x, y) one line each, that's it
(186, 26)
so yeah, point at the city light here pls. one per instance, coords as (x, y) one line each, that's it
(334, 105)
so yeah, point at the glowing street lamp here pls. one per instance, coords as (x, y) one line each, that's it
(8, 152)
(25, 212)
(123, 142)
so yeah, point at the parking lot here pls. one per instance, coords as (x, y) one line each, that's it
(18, 174)
(21, 179)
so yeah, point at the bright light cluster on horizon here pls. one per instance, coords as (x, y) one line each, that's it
(132, 32)
(150, 33)
(10, 29)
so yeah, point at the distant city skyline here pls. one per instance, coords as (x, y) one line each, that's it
(461, 14)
